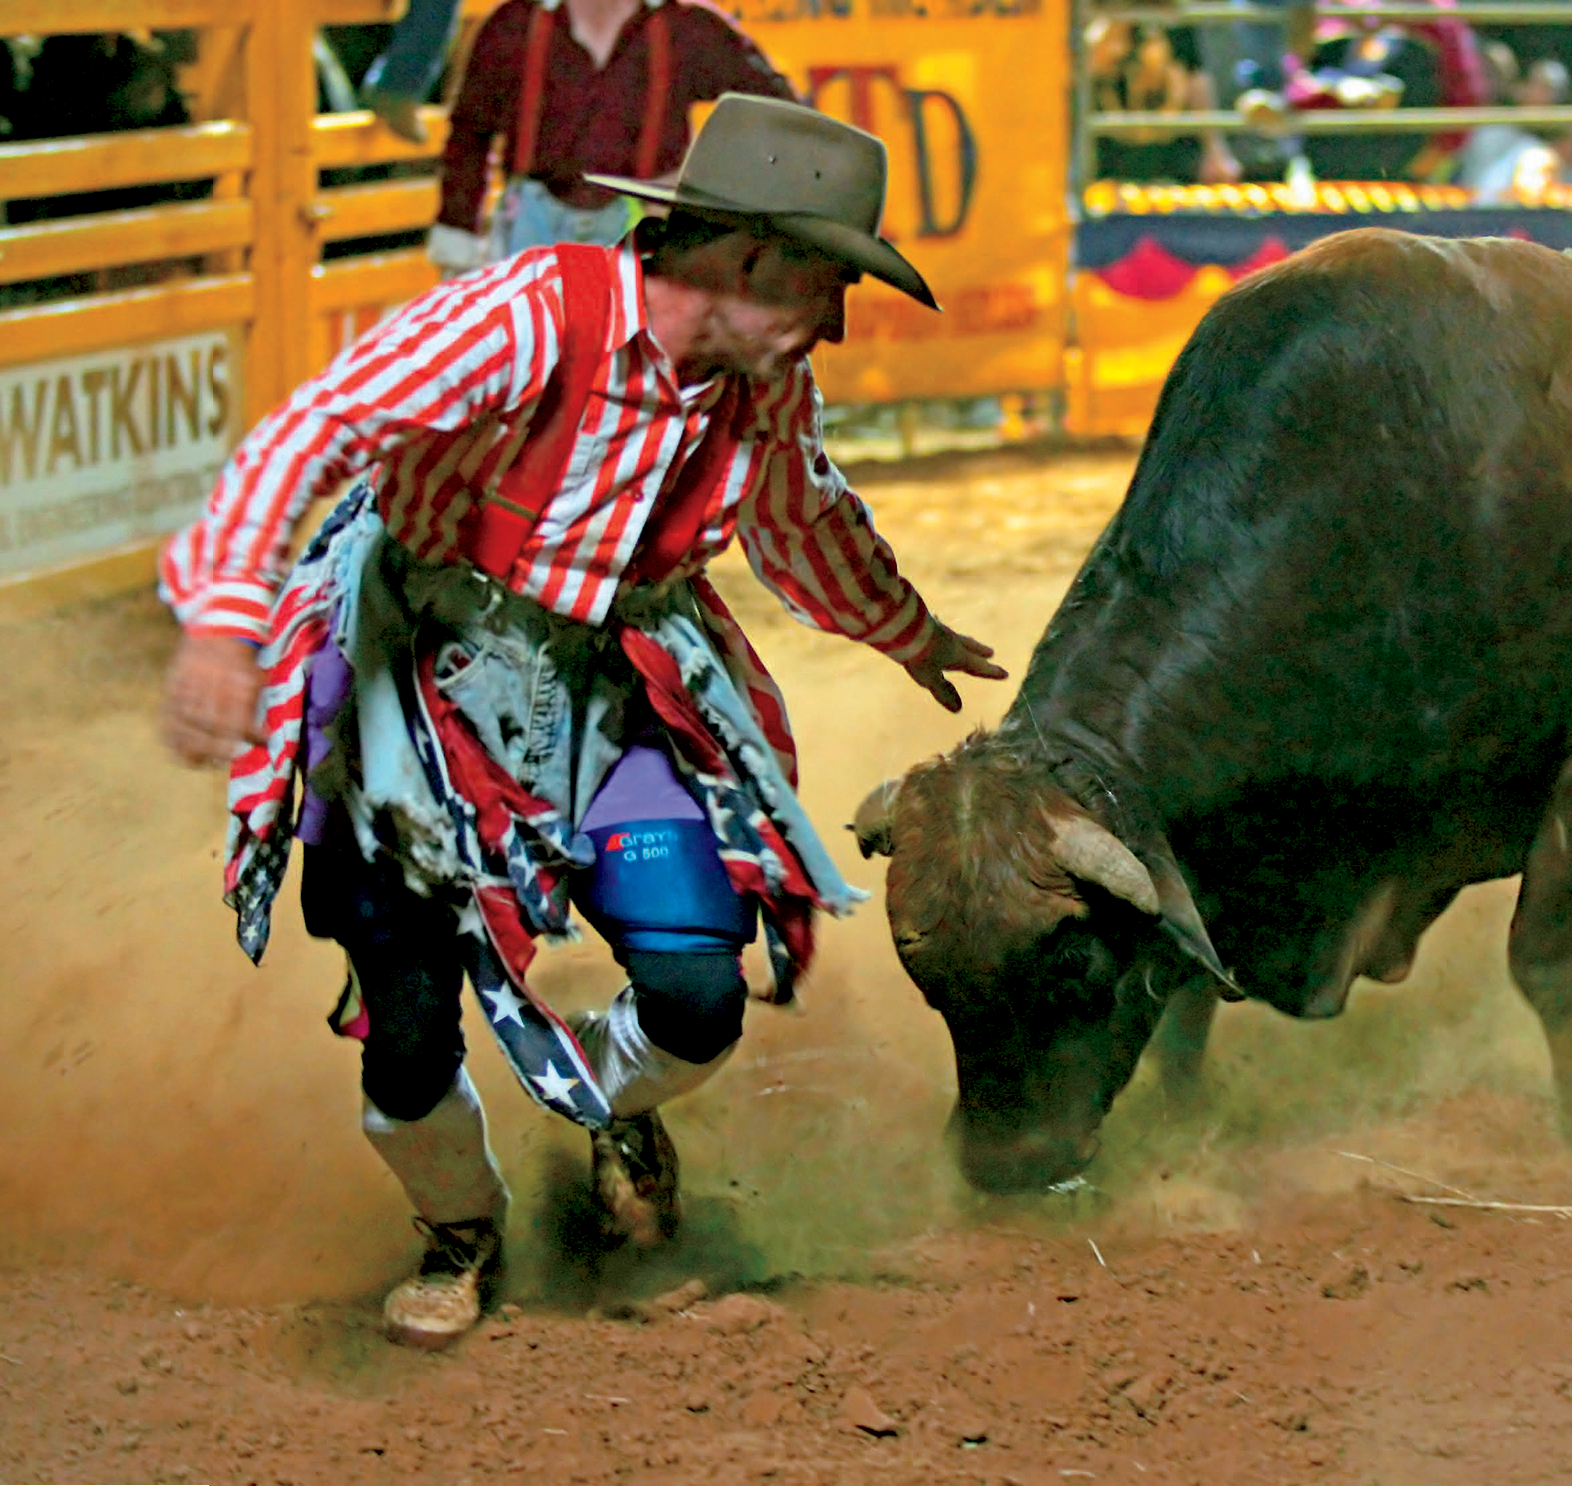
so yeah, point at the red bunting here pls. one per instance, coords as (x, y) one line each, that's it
(1271, 251)
(1148, 271)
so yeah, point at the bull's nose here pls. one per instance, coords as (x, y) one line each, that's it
(1030, 1163)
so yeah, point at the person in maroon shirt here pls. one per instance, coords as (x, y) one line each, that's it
(576, 86)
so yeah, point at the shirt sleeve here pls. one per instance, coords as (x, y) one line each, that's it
(812, 541)
(455, 354)
(720, 58)
(486, 105)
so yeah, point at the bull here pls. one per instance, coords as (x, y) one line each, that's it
(1313, 679)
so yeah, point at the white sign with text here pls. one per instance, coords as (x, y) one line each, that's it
(111, 448)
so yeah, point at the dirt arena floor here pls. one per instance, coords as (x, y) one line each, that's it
(194, 1238)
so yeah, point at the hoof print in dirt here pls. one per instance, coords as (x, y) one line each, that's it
(1346, 1282)
(863, 1416)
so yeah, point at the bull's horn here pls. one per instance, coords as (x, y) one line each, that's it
(872, 820)
(1182, 918)
(1089, 852)
(1156, 886)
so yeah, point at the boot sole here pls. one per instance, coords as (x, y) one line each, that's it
(424, 1341)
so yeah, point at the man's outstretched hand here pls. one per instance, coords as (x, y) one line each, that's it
(952, 652)
(210, 699)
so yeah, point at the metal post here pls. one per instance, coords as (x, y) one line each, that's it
(1083, 144)
(281, 104)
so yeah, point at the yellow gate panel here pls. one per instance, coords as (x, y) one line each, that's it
(971, 99)
(1124, 348)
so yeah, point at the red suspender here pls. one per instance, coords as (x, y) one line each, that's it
(676, 522)
(537, 43)
(502, 522)
(657, 94)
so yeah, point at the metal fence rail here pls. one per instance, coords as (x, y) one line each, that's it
(1330, 121)
(1546, 13)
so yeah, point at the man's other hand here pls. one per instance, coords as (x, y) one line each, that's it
(952, 652)
(210, 699)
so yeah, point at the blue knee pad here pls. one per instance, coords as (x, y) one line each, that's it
(658, 883)
(659, 895)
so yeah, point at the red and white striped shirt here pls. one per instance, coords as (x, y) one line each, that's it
(436, 405)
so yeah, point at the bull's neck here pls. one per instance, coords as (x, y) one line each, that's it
(1098, 677)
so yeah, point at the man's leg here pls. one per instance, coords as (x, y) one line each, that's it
(398, 81)
(421, 1111)
(674, 1024)
(660, 895)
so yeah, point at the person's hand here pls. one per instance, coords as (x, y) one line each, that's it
(952, 652)
(1218, 166)
(210, 699)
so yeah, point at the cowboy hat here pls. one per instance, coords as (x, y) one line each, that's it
(815, 179)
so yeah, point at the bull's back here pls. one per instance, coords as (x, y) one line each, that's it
(1347, 547)
(1328, 635)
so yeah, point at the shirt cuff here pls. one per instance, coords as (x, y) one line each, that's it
(454, 250)
(235, 608)
(907, 634)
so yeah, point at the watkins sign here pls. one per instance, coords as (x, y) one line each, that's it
(111, 448)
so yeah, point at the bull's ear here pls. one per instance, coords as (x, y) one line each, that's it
(872, 820)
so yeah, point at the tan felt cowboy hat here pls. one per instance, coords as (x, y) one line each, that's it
(816, 179)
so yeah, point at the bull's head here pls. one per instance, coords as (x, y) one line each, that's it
(1039, 936)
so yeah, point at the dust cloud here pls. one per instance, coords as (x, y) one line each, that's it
(176, 1117)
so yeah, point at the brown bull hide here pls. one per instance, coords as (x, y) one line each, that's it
(972, 855)
(992, 841)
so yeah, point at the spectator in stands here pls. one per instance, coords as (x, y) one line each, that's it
(1503, 163)
(575, 87)
(401, 78)
(1247, 62)
(1365, 60)
(1154, 69)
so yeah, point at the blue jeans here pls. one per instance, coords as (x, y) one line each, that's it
(414, 59)
(529, 216)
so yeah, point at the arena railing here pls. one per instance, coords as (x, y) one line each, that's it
(260, 259)
(1121, 346)
(1088, 123)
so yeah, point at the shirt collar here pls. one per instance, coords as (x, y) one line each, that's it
(630, 319)
(557, 4)
(629, 314)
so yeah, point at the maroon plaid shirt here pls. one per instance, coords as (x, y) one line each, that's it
(589, 120)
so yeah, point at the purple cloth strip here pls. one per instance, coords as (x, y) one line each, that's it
(642, 786)
(326, 693)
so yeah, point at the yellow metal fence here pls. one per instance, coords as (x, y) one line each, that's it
(110, 315)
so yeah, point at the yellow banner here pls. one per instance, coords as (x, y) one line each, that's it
(971, 99)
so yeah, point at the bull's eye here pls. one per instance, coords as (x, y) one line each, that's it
(907, 940)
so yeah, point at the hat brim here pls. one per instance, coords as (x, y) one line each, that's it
(836, 240)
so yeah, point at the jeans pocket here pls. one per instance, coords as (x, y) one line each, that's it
(514, 699)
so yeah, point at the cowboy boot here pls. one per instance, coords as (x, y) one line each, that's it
(446, 1167)
(633, 1164)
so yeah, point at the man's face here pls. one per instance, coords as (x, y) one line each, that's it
(790, 299)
